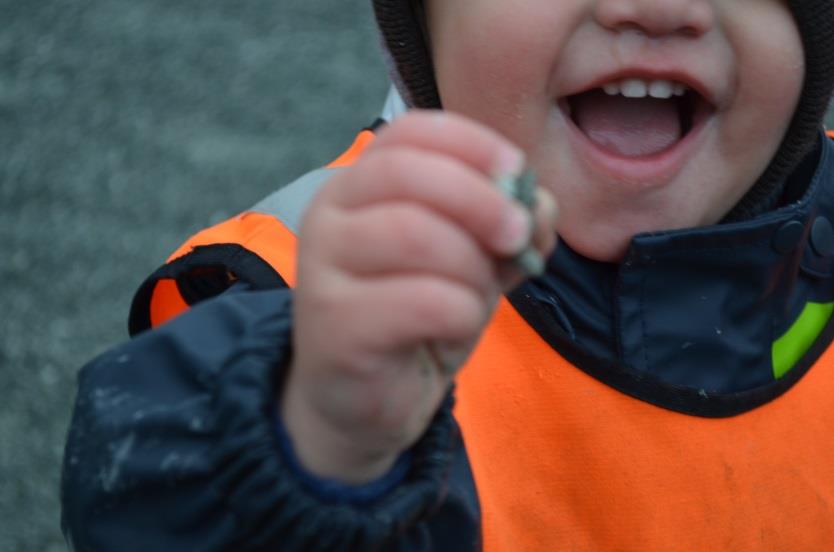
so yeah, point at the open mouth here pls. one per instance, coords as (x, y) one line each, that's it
(637, 118)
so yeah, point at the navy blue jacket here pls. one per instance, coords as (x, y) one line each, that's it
(173, 446)
(174, 442)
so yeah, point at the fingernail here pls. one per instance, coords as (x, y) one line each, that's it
(516, 230)
(548, 204)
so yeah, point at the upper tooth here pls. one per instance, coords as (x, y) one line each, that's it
(640, 88)
(633, 88)
(660, 89)
(612, 88)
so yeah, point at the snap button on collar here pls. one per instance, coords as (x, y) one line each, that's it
(787, 237)
(822, 237)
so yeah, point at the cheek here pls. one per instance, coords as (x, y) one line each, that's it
(770, 70)
(500, 74)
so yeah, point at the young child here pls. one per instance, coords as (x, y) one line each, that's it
(665, 384)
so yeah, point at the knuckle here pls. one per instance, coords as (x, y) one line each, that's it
(393, 166)
(350, 235)
(407, 227)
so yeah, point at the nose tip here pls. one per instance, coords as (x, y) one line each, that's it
(657, 17)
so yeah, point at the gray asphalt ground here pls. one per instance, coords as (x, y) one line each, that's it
(125, 126)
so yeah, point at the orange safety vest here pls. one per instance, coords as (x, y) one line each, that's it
(564, 462)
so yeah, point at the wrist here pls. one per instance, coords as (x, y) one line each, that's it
(338, 492)
(324, 450)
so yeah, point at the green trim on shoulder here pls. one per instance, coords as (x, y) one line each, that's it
(788, 349)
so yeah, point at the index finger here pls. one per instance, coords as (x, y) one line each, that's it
(468, 141)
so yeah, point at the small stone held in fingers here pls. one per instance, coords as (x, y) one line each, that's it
(525, 189)
(522, 188)
(530, 262)
(506, 185)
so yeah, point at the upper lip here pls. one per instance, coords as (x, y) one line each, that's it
(647, 73)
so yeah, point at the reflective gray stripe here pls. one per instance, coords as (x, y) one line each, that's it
(394, 105)
(289, 203)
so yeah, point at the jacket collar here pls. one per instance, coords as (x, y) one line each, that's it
(701, 308)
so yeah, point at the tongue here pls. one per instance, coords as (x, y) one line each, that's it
(632, 127)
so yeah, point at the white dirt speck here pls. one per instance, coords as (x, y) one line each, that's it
(120, 451)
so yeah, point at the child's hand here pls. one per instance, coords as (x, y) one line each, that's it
(402, 258)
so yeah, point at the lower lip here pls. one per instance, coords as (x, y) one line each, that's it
(644, 172)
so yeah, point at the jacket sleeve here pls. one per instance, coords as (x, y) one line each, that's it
(173, 446)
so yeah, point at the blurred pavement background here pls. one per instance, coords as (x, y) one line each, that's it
(125, 126)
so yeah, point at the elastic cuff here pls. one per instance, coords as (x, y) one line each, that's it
(336, 492)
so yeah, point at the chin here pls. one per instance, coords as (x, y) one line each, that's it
(608, 247)
(609, 241)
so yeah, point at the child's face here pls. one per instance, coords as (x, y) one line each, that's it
(535, 70)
